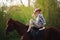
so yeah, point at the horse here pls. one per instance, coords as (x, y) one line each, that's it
(51, 33)
(21, 28)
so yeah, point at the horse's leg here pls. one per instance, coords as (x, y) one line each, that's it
(21, 37)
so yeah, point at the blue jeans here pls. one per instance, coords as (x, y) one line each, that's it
(36, 32)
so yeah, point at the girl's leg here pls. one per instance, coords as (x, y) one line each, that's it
(30, 24)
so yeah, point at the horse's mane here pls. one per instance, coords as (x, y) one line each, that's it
(17, 21)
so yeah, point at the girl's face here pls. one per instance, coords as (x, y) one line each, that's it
(36, 13)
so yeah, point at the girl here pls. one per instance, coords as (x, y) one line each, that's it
(39, 21)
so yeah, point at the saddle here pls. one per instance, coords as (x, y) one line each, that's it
(36, 32)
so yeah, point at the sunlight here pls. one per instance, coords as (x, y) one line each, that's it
(58, 0)
(58, 3)
(25, 2)
(16, 2)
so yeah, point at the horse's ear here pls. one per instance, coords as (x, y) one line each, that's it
(7, 21)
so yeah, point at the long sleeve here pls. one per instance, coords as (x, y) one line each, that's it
(43, 20)
(40, 20)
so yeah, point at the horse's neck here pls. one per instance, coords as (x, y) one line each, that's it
(21, 29)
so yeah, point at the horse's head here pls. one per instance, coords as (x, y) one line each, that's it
(10, 26)
(13, 24)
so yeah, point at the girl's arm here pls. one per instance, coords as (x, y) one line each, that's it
(43, 20)
(40, 20)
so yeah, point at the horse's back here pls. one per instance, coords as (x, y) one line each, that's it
(52, 33)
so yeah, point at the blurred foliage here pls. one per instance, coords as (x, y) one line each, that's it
(23, 14)
(2, 25)
(53, 13)
(20, 13)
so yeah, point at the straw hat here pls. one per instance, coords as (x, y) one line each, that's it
(37, 9)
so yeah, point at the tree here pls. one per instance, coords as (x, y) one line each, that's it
(50, 11)
(29, 3)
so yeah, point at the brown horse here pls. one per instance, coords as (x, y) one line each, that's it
(51, 33)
